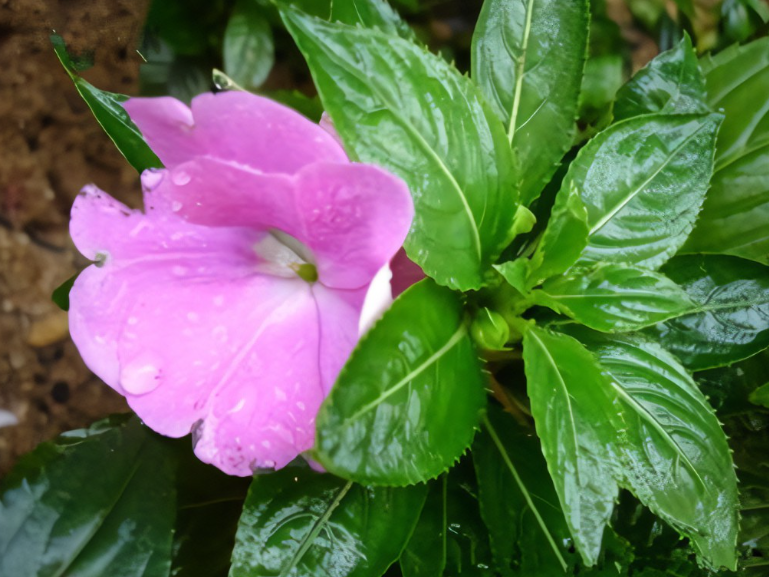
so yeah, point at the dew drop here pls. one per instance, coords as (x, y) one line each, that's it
(180, 178)
(151, 179)
(140, 377)
(179, 270)
(193, 316)
(176, 206)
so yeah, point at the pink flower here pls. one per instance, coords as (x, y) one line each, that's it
(203, 311)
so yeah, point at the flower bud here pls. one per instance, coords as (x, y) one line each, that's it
(489, 330)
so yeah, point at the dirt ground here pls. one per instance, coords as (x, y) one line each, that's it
(50, 146)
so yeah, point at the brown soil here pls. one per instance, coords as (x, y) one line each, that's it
(50, 146)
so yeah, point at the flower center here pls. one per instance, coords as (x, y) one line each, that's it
(282, 255)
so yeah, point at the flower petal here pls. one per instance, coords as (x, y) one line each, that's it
(352, 217)
(338, 311)
(177, 321)
(235, 362)
(355, 218)
(232, 126)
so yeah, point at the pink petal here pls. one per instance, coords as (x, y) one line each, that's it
(176, 320)
(352, 217)
(232, 126)
(236, 361)
(339, 311)
(214, 193)
(355, 218)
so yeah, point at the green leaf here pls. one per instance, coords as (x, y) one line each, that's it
(569, 400)
(60, 294)
(528, 57)
(735, 216)
(302, 523)
(109, 113)
(425, 553)
(760, 396)
(643, 181)
(563, 240)
(371, 14)
(729, 388)
(730, 321)
(450, 538)
(94, 502)
(248, 48)
(208, 508)
(674, 454)
(672, 83)
(750, 442)
(407, 403)
(604, 75)
(614, 298)
(519, 505)
(396, 105)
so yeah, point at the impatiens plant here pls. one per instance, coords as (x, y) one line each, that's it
(567, 391)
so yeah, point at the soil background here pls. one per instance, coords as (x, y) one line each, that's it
(50, 146)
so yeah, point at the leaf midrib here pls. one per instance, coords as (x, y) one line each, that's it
(393, 109)
(316, 529)
(522, 486)
(435, 357)
(95, 530)
(552, 362)
(646, 416)
(520, 70)
(633, 194)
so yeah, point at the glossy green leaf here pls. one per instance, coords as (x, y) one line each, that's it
(562, 242)
(467, 539)
(527, 57)
(60, 295)
(569, 401)
(730, 321)
(672, 83)
(643, 181)
(614, 297)
(107, 109)
(735, 217)
(396, 105)
(674, 454)
(301, 523)
(425, 553)
(527, 530)
(407, 403)
(370, 14)
(760, 396)
(729, 389)
(94, 502)
(564, 238)
(209, 504)
(749, 437)
(450, 538)
(248, 48)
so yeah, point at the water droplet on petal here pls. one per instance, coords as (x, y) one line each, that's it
(179, 270)
(151, 179)
(176, 206)
(180, 177)
(140, 377)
